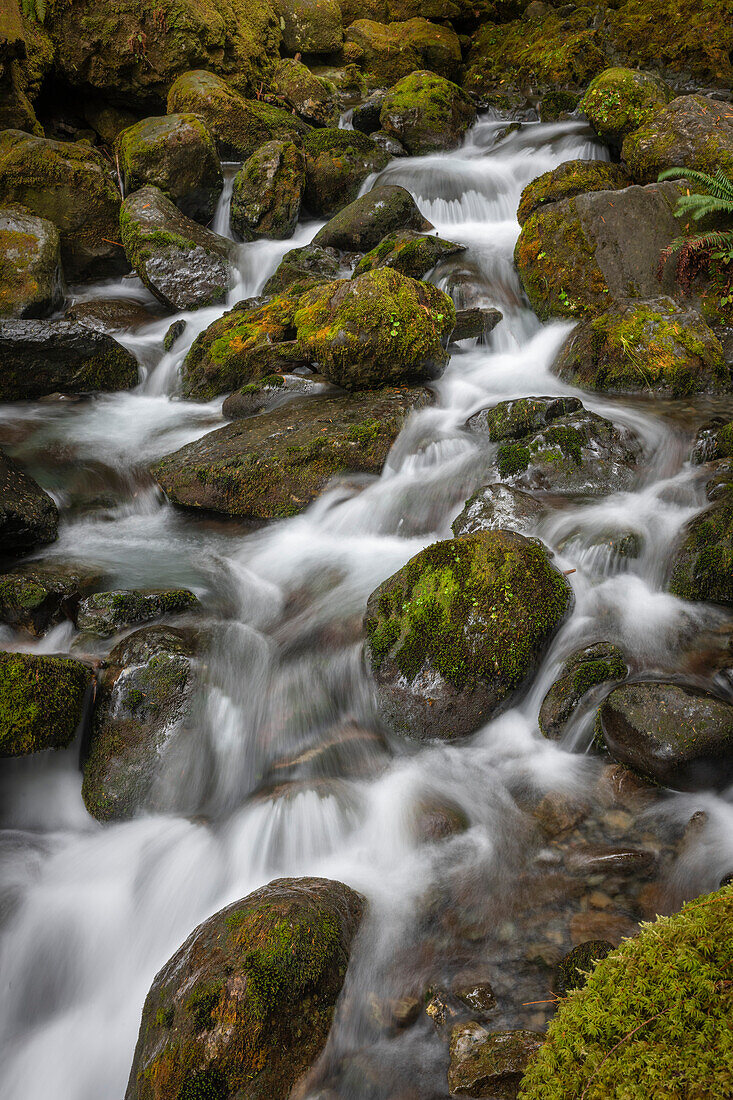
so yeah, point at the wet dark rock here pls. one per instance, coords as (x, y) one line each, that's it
(42, 357)
(679, 737)
(28, 515)
(599, 860)
(183, 264)
(77, 194)
(344, 751)
(556, 445)
(365, 116)
(244, 1007)
(173, 332)
(381, 328)
(30, 264)
(305, 267)
(239, 126)
(713, 442)
(310, 97)
(475, 992)
(581, 253)
(587, 668)
(42, 702)
(604, 551)
(574, 177)
(410, 253)
(144, 702)
(388, 144)
(177, 154)
(573, 968)
(702, 566)
(654, 346)
(495, 506)
(275, 464)
(475, 323)
(489, 1063)
(337, 163)
(690, 132)
(106, 613)
(427, 114)
(271, 391)
(454, 634)
(361, 225)
(267, 193)
(111, 314)
(41, 594)
(620, 101)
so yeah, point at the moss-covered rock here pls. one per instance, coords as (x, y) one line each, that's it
(457, 631)
(239, 125)
(28, 515)
(427, 113)
(702, 566)
(657, 346)
(365, 116)
(391, 51)
(30, 264)
(574, 177)
(177, 154)
(273, 465)
(576, 255)
(713, 441)
(653, 1012)
(691, 132)
(498, 506)
(244, 1007)
(312, 98)
(383, 211)
(587, 668)
(555, 445)
(130, 51)
(677, 736)
(26, 55)
(310, 26)
(267, 192)
(41, 594)
(106, 613)
(304, 267)
(409, 253)
(144, 700)
(183, 264)
(69, 184)
(620, 101)
(42, 357)
(337, 163)
(381, 328)
(489, 1063)
(438, 46)
(41, 702)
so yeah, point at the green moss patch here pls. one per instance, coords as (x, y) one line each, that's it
(41, 701)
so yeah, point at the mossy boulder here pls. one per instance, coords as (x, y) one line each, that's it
(310, 26)
(489, 1063)
(455, 633)
(580, 253)
(620, 101)
(312, 98)
(360, 226)
(71, 185)
(654, 1011)
(337, 163)
(268, 191)
(43, 357)
(381, 328)
(144, 699)
(702, 566)
(680, 737)
(427, 113)
(495, 506)
(587, 668)
(657, 346)
(391, 51)
(437, 45)
(183, 264)
(31, 278)
(303, 267)
(555, 445)
(239, 126)
(244, 1007)
(28, 515)
(42, 702)
(574, 177)
(268, 393)
(41, 594)
(275, 464)
(26, 55)
(130, 51)
(713, 441)
(410, 253)
(107, 613)
(691, 132)
(177, 154)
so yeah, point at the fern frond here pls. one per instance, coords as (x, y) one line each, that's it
(715, 239)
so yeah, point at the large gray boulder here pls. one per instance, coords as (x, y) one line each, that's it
(690, 132)
(362, 224)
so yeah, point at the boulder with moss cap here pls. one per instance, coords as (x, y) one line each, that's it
(427, 113)
(410, 253)
(585, 669)
(620, 101)
(337, 163)
(42, 701)
(574, 177)
(267, 193)
(392, 51)
(455, 633)
(40, 594)
(690, 132)
(30, 264)
(381, 328)
(312, 98)
(364, 223)
(702, 564)
(107, 613)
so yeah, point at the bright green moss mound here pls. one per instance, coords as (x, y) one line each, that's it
(427, 113)
(574, 177)
(621, 100)
(654, 1019)
(41, 701)
(412, 254)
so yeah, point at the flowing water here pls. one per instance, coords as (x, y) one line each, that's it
(289, 772)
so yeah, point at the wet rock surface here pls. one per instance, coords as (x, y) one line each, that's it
(692, 131)
(587, 668)
(106, 613)
(28, 515)
(40, 594)
(426, 113)
(364, 223)
(337, 164)
(30, 264)
(485, 1063)
(268, 192)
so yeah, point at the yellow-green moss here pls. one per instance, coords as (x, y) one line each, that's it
(621, 100)
(557, 265)
(41, 700)
(574, 177)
